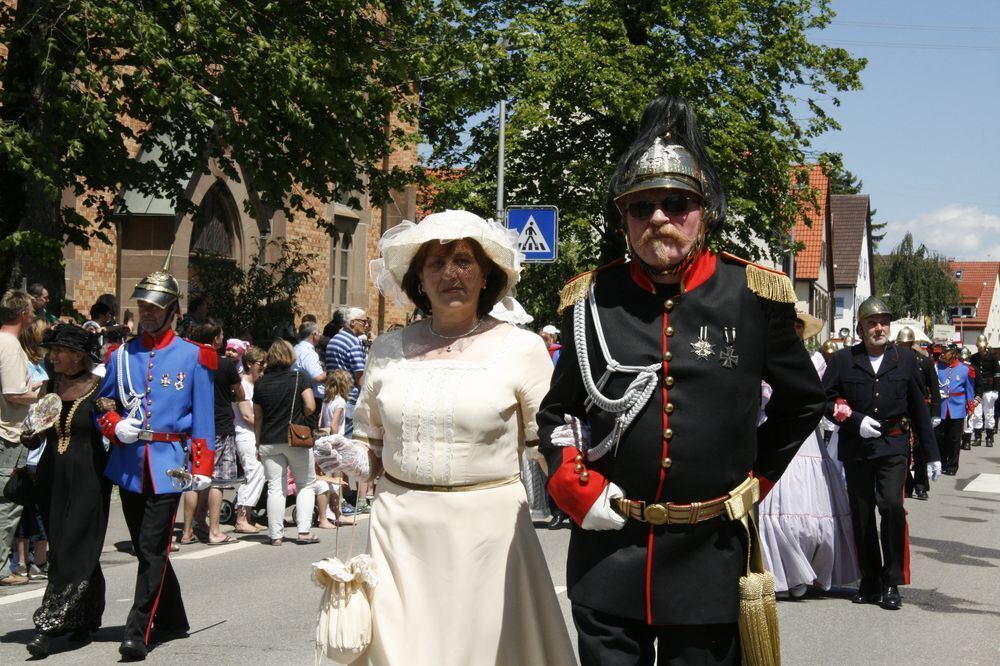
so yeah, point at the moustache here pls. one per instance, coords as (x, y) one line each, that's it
(672, 232)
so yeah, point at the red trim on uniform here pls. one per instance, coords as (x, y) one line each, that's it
(663, 471)
(203, 458)
(208, 357)
(107, 421)
(702, 268)
(640, 277)
(569, 493)
(159, 342)
(765, 486)
(747, 262)
(163, 577)
(906, 542)
(111, 350)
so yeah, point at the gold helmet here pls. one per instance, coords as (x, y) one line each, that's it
(966, 354)
(664, 164)
(905, 335)
(982, 343)
(159, 287)
(871, 306)
(828, 347)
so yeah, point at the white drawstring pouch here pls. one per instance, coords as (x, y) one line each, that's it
(344, 626)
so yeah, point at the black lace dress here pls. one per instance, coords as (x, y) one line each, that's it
(74, 498)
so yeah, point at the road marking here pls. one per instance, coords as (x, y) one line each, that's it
(984, 483)
(212, 551)
(560, 589)
(21, 596)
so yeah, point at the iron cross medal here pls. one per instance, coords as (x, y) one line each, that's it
(728, 356)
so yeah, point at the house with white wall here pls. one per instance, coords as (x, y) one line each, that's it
(853, 258)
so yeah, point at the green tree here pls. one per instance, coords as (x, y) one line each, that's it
(292, 98)
(919, 282)
(576, 74)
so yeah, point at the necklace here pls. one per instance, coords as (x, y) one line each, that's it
(430, 327)
(63, 429)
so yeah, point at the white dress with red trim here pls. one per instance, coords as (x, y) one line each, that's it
(805, 521)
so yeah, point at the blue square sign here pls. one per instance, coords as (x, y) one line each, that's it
(537, 232)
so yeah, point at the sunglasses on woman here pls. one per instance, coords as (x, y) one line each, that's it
(677, 203)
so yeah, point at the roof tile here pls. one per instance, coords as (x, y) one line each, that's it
(850, 213)
(976, 287)
(809, 230)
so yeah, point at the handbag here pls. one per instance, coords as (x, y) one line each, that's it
(20, 487)
(299, 436)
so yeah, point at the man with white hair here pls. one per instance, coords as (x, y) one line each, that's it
(550, 334)
(306, 358)
(344, 352)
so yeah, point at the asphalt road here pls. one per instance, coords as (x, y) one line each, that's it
(252, 603)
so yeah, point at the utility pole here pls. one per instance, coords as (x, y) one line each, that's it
(500, 152)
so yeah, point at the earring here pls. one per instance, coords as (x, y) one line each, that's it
(484, 287)
(420, 287)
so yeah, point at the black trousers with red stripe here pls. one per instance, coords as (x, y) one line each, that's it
(878, 483)
(150, 520)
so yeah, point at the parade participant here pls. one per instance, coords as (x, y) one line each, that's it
(964, 355)
(550, 334)
(874, 392)
(655, 342)
(916, 480)
(987, 369)
(958, 394)
(805, 521)
(447, 405)
(158, 399)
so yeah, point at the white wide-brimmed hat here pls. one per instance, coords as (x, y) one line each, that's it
(400, 244)
(812, 325)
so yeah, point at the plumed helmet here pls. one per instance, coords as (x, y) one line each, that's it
(906, 335)
(668, 152)
(159, 287)
(871, 306)
(982, 343)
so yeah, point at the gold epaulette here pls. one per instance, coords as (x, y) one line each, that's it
(767, 282)
(575, 290)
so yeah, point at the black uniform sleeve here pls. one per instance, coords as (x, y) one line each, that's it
(920, 418)
(933, 389)
(797, 400)
(566, 396)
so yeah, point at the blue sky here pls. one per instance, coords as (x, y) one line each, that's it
(924, 132)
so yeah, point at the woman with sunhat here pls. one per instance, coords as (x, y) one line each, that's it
(73, 494)
(447, 406)
(805, 521)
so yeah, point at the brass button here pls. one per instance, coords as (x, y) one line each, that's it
(667, 462)
(669, 304)
(876, 410)
(876, 394)
(669, 408)
(667, 356)
(668, 331)
(668, 434)
(668, 381)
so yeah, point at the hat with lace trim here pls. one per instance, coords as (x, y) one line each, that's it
(400, 245)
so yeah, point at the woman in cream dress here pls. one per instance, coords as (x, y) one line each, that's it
(447, 407)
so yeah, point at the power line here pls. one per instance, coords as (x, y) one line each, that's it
(906, 26)
(911, 45)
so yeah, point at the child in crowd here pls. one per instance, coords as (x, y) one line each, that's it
(332, 420)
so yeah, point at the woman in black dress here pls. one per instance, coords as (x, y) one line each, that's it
(73, 494)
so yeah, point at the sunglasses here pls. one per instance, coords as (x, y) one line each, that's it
(642, 210)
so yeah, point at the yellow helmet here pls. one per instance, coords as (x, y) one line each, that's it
(828, 347)
(982, 343)
(906, 335)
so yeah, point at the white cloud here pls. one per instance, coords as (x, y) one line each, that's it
(956, 231)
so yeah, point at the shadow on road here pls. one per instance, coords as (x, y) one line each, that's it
(955, 552)
(64, 644)
(965, 519)
(938, 602)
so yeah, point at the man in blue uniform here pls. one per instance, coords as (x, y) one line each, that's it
(958, 395)
(158, 394)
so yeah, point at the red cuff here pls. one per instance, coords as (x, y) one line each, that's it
(765, 485)
(573, 492)
(202, 458)
(107, 422)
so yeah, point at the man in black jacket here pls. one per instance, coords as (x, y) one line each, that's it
(662, 360)
(987, 369)
(874, 392)
(916, 480)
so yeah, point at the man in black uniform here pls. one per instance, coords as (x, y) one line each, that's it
(663, 365)
(916, 480)
(987, 369)
(874, 391)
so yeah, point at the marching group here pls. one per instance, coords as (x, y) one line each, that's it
(473, 426)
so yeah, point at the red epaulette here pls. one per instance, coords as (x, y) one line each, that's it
(111, 350)
(208, 357)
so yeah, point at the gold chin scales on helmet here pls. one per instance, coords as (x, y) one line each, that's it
(872, 306)
(159, 287)
(906, 335)
(664, 165)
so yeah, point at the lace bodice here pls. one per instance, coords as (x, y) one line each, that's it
(450, 422)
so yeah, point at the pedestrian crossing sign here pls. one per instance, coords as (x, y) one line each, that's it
(537, 230)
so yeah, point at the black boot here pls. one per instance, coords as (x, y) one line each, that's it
(891, 599)
(989, 438)
(966, 441)
(40, 645)
(977, 437)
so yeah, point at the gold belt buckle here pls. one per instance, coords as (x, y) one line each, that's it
(146, 435)
(656, 514)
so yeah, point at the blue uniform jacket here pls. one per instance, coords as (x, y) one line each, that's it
(175, 378)
(957, 389)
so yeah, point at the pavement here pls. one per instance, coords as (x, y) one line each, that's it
(253, 603)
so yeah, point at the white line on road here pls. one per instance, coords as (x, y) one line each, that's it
(984, 483)
(21, 596)
(212, 551)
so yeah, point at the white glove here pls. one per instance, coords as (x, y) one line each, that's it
(601, 516)
(575, 433)
(934, 470)
(200, 482)
(127, 430)
(339, 454)
(935, 421)
(870, 428)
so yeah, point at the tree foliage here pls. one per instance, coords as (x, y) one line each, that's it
(919, 282)
(576, 74)
(253, 301)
